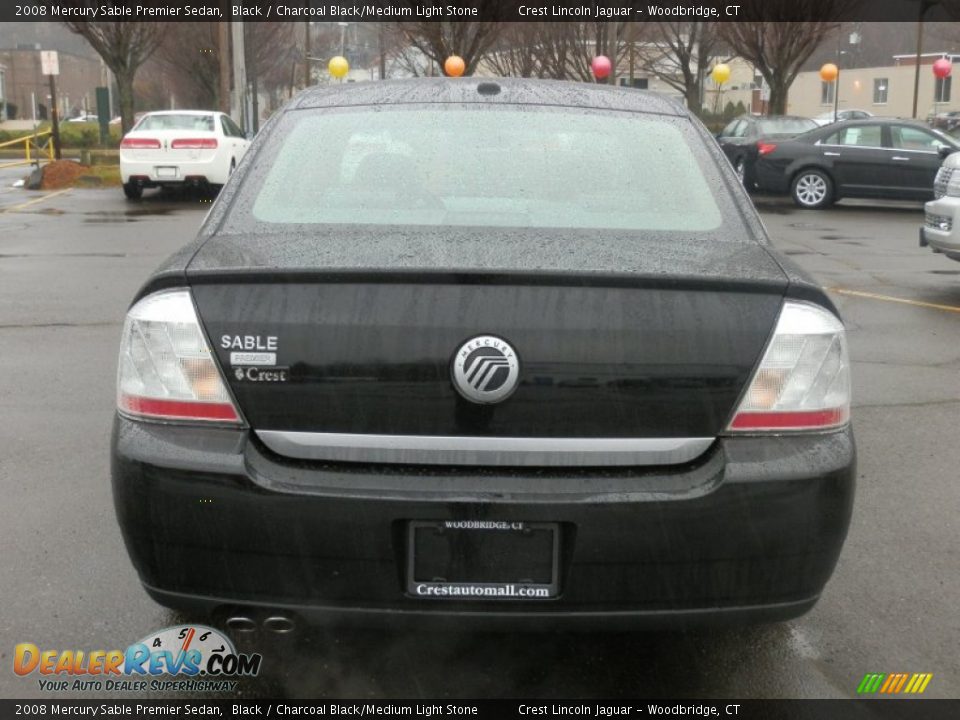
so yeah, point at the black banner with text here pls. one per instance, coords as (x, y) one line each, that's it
(479, 10)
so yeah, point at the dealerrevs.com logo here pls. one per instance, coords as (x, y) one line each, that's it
(202, 658)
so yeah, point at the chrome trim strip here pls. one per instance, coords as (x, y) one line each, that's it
(490, 451)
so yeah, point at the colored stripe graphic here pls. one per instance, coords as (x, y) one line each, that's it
(894, 683)
(870, 683)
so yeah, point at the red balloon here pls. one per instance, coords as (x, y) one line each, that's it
(942, 68)
(601, 67)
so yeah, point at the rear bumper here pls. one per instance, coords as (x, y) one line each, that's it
(751, 531)
(770, 175)
(214, 170)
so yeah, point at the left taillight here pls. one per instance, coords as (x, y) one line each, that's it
(194, 144)
(765, 148)
(139, 143)
(166, 369)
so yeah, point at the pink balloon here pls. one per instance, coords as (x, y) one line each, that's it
(601, 66)
(942, 68)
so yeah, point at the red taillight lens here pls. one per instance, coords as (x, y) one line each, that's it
(194, 144)
(765, 148)
(177, 409)
(167, 371)
(803, 380)
(138, 143)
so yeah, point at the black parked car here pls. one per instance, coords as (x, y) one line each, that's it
(740, 139)
(874, 158)
(466, 350)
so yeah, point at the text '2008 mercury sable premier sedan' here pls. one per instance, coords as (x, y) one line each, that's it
(510, 352)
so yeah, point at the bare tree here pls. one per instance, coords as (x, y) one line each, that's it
(124, 47)
(515, 52)
(438, 40)
(189, 58)
(558, 50)
(679, 54)
(778, 49)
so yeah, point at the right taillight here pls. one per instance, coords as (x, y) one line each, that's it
(765, 148)
(194, 144)
(139, 143)
(166, 370)
(803, 380)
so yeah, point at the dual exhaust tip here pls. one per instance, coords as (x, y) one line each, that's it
(277, 624)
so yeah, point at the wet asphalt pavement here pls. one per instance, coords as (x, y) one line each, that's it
(69, 264)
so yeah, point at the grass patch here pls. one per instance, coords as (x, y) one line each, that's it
(100, 176)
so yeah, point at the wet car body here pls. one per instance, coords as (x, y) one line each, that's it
(360, 480)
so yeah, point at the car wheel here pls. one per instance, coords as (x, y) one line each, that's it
(133, 191)
(812, 189)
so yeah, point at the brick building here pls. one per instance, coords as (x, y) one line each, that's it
(27, 91)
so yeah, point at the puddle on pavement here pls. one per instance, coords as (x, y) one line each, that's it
(944, 272)
(134, 214)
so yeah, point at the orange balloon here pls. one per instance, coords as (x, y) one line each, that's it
(829, 72)
(454, 66)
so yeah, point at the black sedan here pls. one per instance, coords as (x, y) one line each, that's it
(875, 158)
(460, 350)
(742, 139)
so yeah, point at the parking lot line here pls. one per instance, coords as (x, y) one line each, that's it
(28, 203)
(890, 298)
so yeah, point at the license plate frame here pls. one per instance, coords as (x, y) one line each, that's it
(166, 172)
(470, 537)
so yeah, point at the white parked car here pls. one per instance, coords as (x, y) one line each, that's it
(827, 117)
(180, 147)
(941, 222)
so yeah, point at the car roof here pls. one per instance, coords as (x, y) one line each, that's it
(880, 121)
(488, 91)
(182, 112)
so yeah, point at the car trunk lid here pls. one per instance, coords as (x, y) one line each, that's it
(617, 336)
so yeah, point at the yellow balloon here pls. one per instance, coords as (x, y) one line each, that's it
(829, 72)
(338, 66)
(720, 73)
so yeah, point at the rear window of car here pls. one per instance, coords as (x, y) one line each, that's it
(785, 126)
(201, 123)
(503, 166)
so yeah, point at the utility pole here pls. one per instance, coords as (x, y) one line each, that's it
(238, 106)
(923, 6)
(223, 54)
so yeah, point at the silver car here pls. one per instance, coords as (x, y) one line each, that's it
(940, 231)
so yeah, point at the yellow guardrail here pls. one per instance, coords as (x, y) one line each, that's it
(41, 151)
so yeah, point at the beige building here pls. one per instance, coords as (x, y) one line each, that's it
(886, 91)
